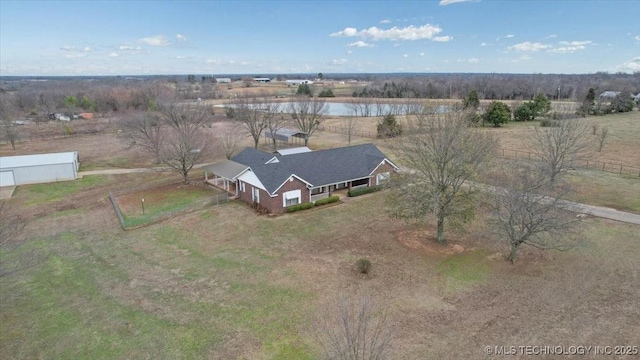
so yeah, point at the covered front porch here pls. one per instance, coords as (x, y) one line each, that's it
(321, 192)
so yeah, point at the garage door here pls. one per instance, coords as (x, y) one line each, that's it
(6, 178)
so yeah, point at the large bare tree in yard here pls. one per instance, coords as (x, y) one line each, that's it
(186, 142)
(351, 329)
(560, 145)
(529, 210)
(229, 140)
(273, 120)
(248, 111)
(146, 130)
(8, 131)
(307, 114)
(442, 154)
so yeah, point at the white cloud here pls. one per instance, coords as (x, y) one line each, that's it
(68, 48)
(449, 2)
(405, 55)
(483, 44)
(411, 32)
(338, 61)
(552, 36)
(638, 37)
(469, 61)
(181, 38)
(349, 51)
(385, 21)
(421, 54)
(158, 40)
(570, 47)
(113, 54)
(359, 44)
(521, 58)
(181, 57)
(632, 65)
(74, 56)
(529, 46)
(509, 36)
(129, 48)
(87, 49)
(443, 38)
(213, 61)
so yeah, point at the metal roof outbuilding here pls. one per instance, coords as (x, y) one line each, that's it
(38, 168)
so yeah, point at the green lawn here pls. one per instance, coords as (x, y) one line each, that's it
(226, 283)
(158, 206)
(42, 194)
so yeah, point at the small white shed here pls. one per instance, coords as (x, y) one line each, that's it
(39, 168)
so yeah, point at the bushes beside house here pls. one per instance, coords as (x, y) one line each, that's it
(303, 206)
(364, 190)
(328, 200)
(309, 205)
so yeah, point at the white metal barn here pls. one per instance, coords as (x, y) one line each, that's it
(40, 168)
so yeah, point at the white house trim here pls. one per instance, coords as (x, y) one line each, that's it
(288, 179)
(382, 162)
(250, 177)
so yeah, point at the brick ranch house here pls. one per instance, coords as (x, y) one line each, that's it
(293, 176)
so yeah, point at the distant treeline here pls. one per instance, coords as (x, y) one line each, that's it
(499, 86)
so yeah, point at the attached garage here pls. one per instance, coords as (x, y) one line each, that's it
(40, 168)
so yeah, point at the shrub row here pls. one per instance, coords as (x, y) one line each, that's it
(303, 206)
(364, 190)
(309, 205)
(329, 200)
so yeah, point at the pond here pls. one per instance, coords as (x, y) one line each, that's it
(355, 109)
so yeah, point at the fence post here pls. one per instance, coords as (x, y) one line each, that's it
(620, 169)
(603, 166)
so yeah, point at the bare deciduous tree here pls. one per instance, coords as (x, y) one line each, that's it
(248, 111)
(273, 120)
(307, 114)
(529, 210)
(354, 330)
(230, 140)
(146, 130)
(350, 127)
(8, 131)
(603, 136)
(442, 153)
(185, 143)
(560, 145)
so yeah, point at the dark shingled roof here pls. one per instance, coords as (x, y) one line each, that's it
(319, 168)
(252, 157)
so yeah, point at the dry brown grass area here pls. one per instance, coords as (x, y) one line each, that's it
(224, 283)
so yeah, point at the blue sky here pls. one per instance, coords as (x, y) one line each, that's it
(278, 37)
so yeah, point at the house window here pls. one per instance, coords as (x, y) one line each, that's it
(382, 178)
(292, 197)
(255, 195)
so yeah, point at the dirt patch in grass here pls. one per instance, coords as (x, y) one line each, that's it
(424, 241)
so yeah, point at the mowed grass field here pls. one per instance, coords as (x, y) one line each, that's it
(225, 283)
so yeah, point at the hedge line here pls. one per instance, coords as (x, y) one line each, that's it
(309, 205)
(364, 190)
(329, 200)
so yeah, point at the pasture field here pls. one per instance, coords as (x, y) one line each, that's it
(225, 283)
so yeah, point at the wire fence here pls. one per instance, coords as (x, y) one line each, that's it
(589, 164)
(345, 131)
(134, 222)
